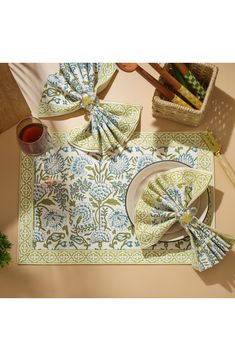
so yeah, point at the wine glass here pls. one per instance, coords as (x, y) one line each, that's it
(33, 136)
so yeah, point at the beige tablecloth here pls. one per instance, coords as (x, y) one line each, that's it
(125, 280)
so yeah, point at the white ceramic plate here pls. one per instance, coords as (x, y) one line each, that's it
(140, 181)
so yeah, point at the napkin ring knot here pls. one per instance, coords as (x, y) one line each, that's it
(187, 216)
(89, 100)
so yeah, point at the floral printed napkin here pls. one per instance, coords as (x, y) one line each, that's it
(75, 87)
(73, 206)
(167, 200)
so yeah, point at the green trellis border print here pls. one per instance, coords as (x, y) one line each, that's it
(28, 255)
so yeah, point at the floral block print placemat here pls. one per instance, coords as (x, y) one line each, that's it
(72, 206)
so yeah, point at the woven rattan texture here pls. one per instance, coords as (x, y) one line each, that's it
(206, 74)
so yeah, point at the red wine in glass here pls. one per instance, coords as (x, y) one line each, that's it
(32, 136)
(31, 133)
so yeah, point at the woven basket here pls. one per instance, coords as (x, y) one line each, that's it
(206, 74)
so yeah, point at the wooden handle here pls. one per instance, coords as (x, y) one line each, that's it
(167, 93)
(177, 74)
(167, 76)
(227, 168)
(175, 84)
(182, 68)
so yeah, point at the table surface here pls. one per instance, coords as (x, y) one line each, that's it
(120, 280)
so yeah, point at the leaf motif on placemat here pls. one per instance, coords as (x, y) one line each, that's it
(47, 202)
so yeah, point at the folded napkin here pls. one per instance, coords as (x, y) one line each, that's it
(75, 87)
(167, 200)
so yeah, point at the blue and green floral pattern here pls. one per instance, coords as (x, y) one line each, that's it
(166, 200)
(72, 206)
(75, 87)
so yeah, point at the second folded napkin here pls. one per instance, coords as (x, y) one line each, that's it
(167, 200)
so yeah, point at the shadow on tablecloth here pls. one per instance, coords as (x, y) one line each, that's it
(219, 117)
(222, 274)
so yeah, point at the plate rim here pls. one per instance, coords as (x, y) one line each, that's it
(161, 161)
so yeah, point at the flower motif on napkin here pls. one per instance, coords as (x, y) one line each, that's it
(168, 199)
(76, 86)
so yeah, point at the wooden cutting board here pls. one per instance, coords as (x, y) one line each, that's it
(13, 106)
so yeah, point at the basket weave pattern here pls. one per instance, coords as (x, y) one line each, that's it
(206, 74)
